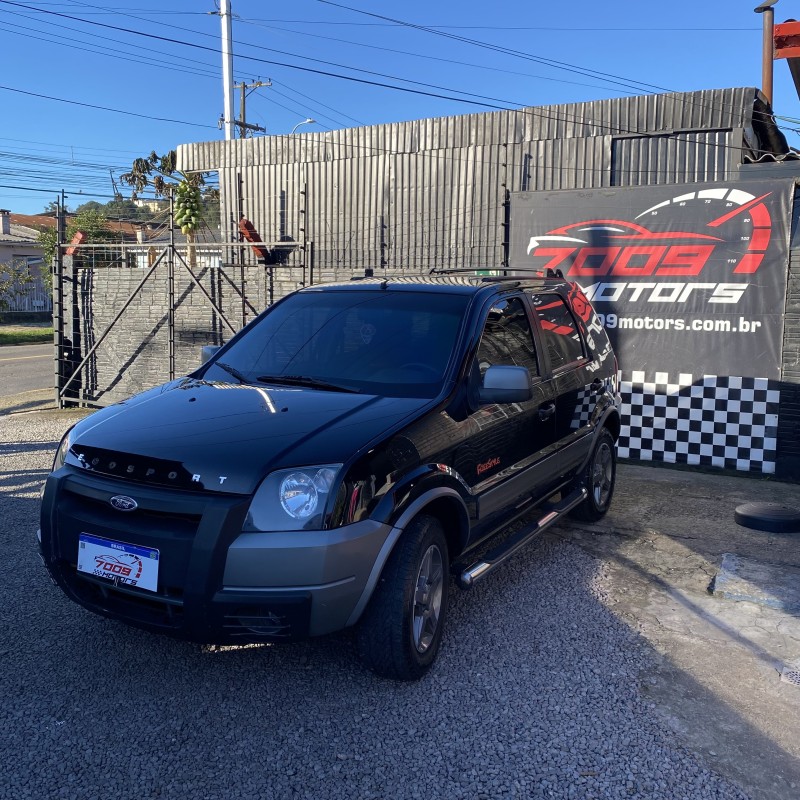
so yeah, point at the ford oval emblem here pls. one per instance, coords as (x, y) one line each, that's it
(123, 503)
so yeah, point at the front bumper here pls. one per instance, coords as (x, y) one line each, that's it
(215, 583)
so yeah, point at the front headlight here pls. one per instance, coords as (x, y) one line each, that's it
(292, 499)
(63, 449)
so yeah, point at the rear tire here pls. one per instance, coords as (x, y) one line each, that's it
(598, 477)
(400, 632)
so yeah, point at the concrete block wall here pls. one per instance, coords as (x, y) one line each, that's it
(134, 355)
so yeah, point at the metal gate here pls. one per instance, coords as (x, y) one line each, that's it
(131, 316)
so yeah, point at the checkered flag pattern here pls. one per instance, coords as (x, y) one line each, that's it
(586, 403)
(704, 420)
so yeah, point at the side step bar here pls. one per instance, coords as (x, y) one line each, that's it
(496, 556)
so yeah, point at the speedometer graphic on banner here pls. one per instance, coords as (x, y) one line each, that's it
(748, 208)
(717, 229)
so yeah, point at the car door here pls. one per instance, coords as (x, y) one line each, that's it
(510, 448)
(574, 384)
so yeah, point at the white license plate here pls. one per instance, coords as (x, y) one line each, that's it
(125, 564)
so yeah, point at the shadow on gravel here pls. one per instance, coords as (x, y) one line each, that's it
(536, 694)
(19, 404)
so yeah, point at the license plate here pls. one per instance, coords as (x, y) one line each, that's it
(124, 564)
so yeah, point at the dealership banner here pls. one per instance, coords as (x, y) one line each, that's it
(686, 278)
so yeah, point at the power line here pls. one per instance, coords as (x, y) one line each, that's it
(479, 102)
(494, 106)
(91, 48)
(610, 77)
(207, 70)
(593, 29)
(314, 109)
(66, 146)
(509, 51)
(634, 85)
(104, 108)
(429, 57)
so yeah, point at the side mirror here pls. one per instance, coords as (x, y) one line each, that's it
(208, 352)
(505, 385)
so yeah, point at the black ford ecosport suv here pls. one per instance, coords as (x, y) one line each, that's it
(336, 460)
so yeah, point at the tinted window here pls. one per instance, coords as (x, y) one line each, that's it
(378, 342)
(507, 338)
(559, 332)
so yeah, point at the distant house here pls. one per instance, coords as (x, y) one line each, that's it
(154, 205)
(19, 247)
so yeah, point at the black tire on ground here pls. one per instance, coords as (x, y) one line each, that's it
(598, 477)
(401, 629)
(771, 517)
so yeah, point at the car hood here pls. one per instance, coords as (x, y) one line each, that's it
(226, 437)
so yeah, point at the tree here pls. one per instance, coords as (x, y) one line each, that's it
(90, 205)
(92, 222)
(51, 207)
(160, 173)
(14, 277)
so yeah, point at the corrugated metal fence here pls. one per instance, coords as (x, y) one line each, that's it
(433, 192)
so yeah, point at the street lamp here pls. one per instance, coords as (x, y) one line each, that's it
(308, 121)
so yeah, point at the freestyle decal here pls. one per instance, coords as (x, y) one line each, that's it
(487, 465)
(621, 253)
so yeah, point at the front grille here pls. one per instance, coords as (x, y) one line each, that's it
(278, 619)
(146, 515)
(163, 609)
(191, 533)
(165, 520)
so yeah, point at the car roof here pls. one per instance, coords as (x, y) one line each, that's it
(458, 281)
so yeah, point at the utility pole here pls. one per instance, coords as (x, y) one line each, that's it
(244, 126)
(227, 68)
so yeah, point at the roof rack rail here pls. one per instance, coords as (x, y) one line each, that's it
(508, 272)
(458, 270)
(538, 271)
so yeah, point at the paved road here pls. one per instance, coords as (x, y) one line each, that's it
(24, 368)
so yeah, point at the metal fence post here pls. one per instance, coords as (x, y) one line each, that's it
(171, 287)
(57, 272)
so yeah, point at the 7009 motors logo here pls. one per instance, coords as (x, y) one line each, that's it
(715, 233)
(122, 568)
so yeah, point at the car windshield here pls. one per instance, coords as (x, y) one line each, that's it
(393, 344)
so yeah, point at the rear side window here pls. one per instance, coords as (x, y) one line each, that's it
(559, 331)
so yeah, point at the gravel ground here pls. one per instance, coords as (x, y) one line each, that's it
(535, 694)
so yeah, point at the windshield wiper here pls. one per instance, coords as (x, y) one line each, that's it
(241, 377)
(304, 380)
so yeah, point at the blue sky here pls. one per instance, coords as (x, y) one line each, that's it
(169, 81)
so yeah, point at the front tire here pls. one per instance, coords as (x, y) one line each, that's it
(599, 477)
(399, 635)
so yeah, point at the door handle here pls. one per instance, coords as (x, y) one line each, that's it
(546, 411)
(597, 385)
